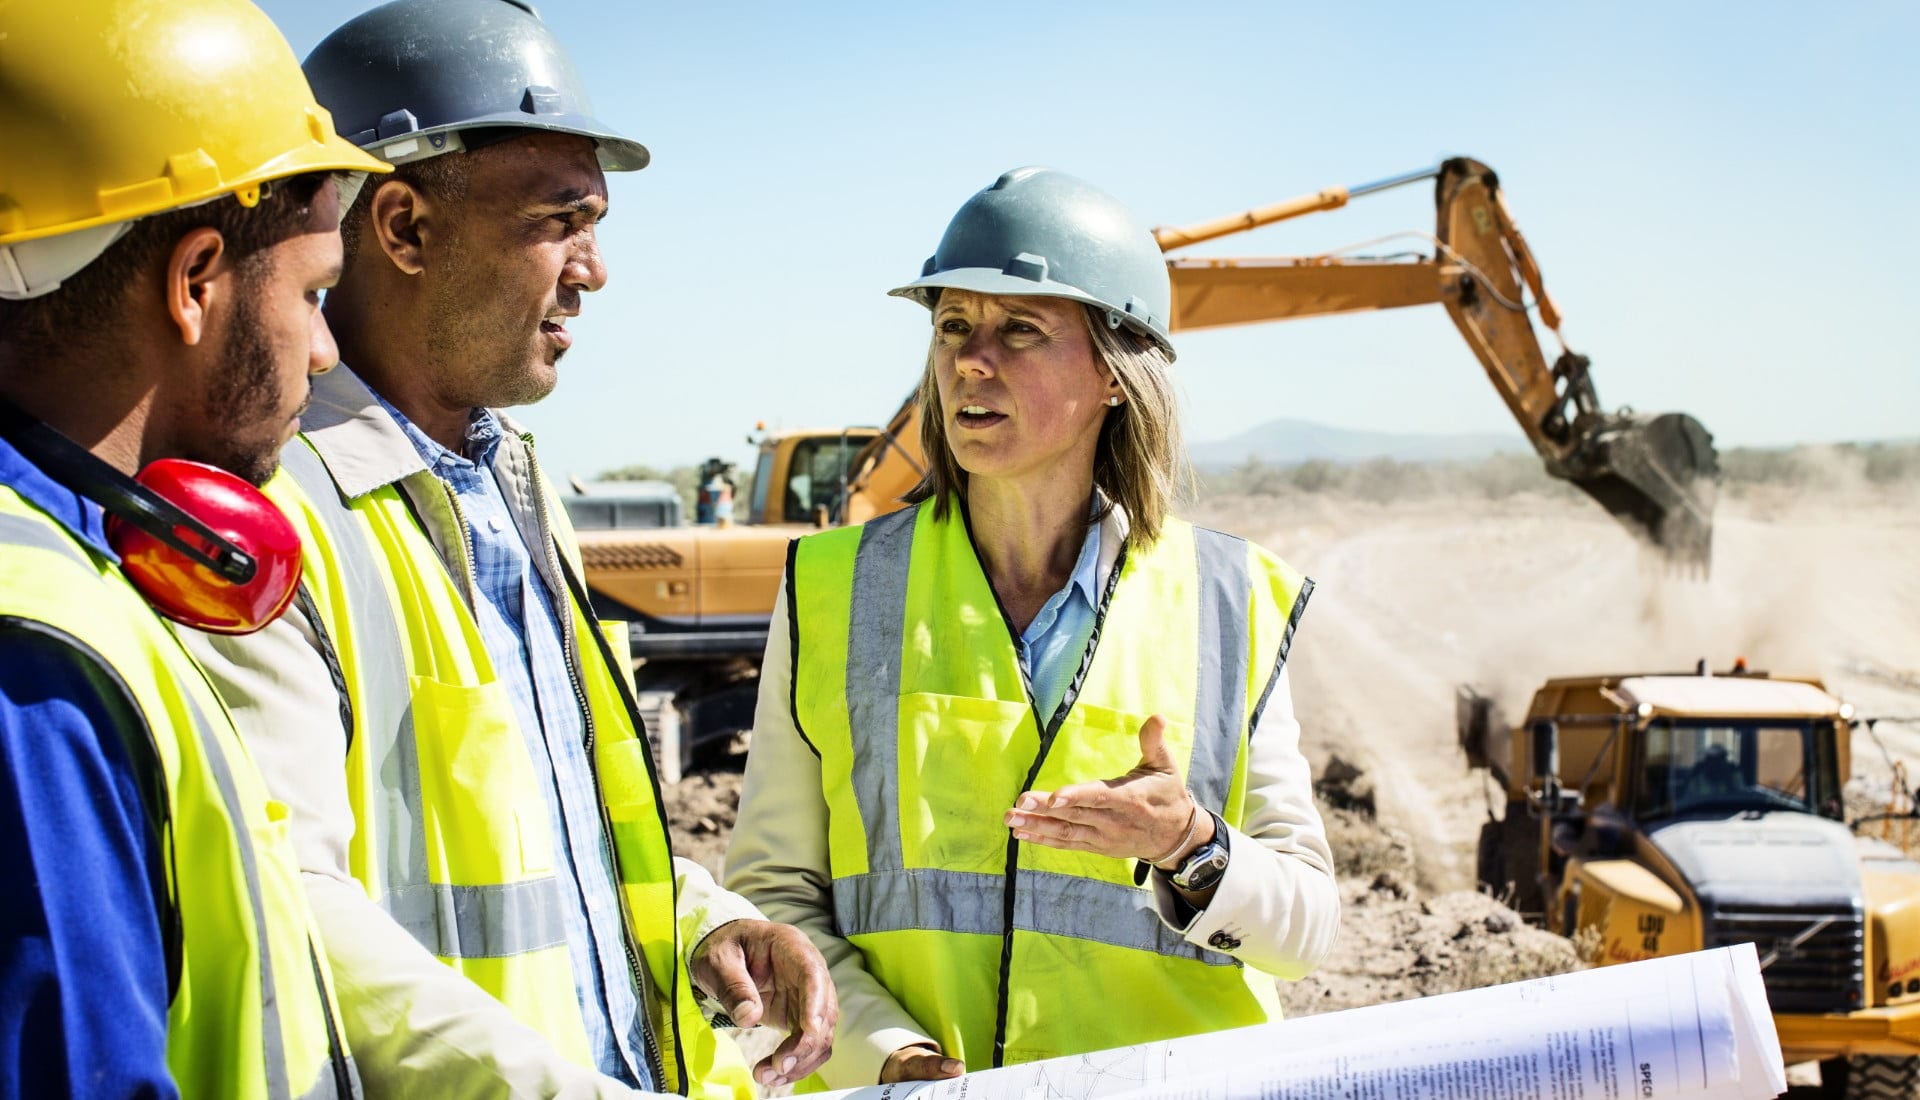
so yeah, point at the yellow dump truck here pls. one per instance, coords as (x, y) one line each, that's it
(1655, 814)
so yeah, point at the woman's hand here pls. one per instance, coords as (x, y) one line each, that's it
(1144, 814)
(918, 1063)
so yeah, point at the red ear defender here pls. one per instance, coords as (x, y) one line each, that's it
(234, 583)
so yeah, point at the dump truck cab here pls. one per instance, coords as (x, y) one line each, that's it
(1655, 814)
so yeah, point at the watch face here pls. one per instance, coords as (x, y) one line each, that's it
(1203, 868)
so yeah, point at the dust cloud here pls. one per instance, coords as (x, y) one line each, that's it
(1820, 577)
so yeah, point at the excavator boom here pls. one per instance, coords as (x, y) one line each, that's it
(1656, 474)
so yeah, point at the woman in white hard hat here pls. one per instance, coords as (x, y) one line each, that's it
(1025, 764)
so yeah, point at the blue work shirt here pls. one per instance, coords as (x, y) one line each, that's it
(1054, 642)
(520, 627)
(83, 975)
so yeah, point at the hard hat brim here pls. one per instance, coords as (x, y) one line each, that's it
(987, 280)
(330, 154)
(616, 153)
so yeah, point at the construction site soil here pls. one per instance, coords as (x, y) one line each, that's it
(1416, 597)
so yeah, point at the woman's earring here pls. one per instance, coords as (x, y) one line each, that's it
(1114, 401)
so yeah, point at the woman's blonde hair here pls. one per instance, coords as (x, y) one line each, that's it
(1139, 463)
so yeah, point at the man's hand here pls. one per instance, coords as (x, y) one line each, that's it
(1142, 815)
(919, 1064)
(771, 974)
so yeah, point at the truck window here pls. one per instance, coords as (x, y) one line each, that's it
(815, 475)
(1718, 767)
(762, 481)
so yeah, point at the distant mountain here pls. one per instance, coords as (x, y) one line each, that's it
(1285, 442)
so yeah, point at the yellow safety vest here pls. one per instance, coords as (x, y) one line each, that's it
(252, 1014)
(452, 835)
(908, 686)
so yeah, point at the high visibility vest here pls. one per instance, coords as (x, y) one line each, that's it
(452, 833)
(252, 1013)
(907, 684)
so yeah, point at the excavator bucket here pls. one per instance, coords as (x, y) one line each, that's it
(1658, 474)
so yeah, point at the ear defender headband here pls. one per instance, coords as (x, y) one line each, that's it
(202, 546)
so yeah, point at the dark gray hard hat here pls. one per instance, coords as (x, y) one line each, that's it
(406, 79)
(1041, 231)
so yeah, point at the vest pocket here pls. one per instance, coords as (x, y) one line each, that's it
(482, 811)
(1098, 742)
(959, 764)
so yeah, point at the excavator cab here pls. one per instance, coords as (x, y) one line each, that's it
(1656, 474)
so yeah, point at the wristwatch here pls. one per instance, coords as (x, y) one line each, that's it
(1202, 869)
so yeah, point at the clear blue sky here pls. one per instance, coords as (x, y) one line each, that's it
(1720, 196)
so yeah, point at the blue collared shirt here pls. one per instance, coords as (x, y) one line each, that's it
(520, 626)
(83, 975)
(1053, 643)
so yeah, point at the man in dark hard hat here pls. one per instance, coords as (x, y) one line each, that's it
(472, 790)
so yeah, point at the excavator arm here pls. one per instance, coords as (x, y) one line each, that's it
(1656, 474)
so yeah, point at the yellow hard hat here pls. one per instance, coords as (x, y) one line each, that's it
(111, 110)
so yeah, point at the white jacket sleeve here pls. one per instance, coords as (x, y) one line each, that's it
(705, 906)
(1277, 907)
(414, 1025)
(778, 859)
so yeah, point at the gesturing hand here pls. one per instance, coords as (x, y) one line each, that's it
(768, 973)
(1143, 814)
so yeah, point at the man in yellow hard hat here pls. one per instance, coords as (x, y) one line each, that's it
(168, 220)
(471, 788)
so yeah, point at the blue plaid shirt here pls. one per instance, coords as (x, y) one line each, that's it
(521, 630)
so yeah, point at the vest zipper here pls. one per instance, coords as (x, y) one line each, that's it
(343, 1079)
(1046, 728)
(564, 600)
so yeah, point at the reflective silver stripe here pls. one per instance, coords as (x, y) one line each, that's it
(1051, 904)
(272, 1040)
(874, 636)
(382, 699)
(939, 901)
(21, 531)
(1220, 699)
(326, 1085)
(481, 922)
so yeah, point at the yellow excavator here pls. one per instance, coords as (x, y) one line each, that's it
(699, 598)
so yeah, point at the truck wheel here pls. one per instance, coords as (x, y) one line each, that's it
(1871, 1077)
(1508, 861)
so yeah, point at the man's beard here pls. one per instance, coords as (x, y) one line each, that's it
(245, 398)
